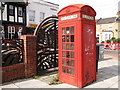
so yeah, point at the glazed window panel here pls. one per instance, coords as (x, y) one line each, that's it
(72, 55)
(68, 54)
(71, 30)
(67, 30)
(69, 46)
(63, 31)
(64, 46)
(72, 38)
(67, 38)
(68, 62)
(63, 54)
(63, 38)
(68, 70)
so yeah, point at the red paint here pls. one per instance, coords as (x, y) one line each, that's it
(71, 24)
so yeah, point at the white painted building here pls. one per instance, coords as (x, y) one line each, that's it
(37, 10)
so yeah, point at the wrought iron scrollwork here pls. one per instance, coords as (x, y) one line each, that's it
(47, 43)
(12, 52)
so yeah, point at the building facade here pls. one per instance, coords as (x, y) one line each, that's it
(107, 28)
(38, 10)
(14, 19)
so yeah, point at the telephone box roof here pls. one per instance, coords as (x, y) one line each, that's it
(74, 8)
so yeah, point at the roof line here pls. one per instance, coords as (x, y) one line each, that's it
(50, 2)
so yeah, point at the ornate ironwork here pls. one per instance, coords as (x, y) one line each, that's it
(47, 43)
(12, 52)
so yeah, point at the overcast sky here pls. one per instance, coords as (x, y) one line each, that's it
(104, 8)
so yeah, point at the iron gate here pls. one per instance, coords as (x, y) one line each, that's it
(47, 43)
(12, 52)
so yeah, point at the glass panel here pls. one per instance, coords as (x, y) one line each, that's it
(68, 70)
(71, 46)
(31, 15)
(67, 30)
(71, 30)
(72, 55)
(42, 16)
(64, 61)
(63, 30)
(63, 46)
(20, 13)
(63, 38)
(67, 46)
(11, 10)
(67, 38)
(68, 62)
(67, 54)
(72, 38)
(63, 54)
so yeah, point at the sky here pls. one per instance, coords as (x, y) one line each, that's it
(104, 8)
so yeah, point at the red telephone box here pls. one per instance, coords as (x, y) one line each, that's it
(77, 45)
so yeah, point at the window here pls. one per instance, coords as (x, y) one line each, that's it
(108, 35)
(42, 16)
(68, 54)
(32, 15)
(110, 26)
(101, 27)
(11, 10)
(11, 32)
(20, 11)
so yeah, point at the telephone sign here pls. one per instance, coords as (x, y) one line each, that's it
(69, 17)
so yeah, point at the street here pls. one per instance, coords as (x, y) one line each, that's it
(112, 53)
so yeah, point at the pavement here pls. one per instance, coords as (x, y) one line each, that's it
(107, 77)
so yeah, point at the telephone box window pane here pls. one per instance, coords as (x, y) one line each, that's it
(63, 31)
(63, 46)
(71, 46)
(63, 38)
(68, 62)
(64, 61)
(71, 30)
(67, 30)
(72, 38)
(67, 54)
(67, 46)
(63, 54)
(72, 55)
(67, 38)
(68, 70)
(72, 63)
(72, 71)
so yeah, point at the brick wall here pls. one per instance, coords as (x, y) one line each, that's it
(29, 55)
(13, 72)
(28, 67)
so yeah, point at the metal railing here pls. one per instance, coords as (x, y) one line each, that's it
(12, 52)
